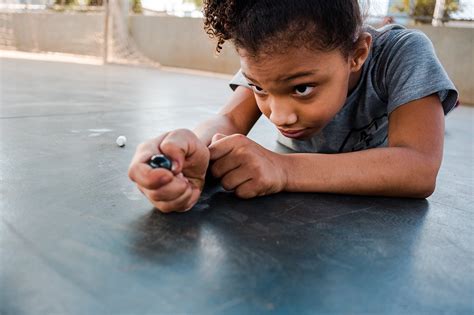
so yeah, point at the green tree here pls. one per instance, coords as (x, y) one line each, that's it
(422, 10)
(64, 2)
(98, 3)
(137, 6)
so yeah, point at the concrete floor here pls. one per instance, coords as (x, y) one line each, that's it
(76, 237)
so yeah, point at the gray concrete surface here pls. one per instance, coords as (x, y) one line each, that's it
(76, 237)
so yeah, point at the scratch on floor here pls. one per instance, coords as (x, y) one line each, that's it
(133, 195)
(100, 130)
(340, 215)
(288, 209)
(334, 262)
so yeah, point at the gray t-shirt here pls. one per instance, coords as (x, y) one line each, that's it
(402, 66)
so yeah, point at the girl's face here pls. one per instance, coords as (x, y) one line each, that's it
(302, 90)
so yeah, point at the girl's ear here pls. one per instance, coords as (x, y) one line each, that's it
(361, 51)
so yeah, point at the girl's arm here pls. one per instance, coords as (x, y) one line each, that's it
(238, 116)
(406, 168)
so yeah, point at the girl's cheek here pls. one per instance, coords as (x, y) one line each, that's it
(316, 113)
(263, 108)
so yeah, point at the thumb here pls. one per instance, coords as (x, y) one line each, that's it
(217, 137)
(176, 152)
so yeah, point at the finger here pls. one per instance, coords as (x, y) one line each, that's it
(139, 170)
(149, 178)
(224, 165)
(217, 137)
(193, 199)
(147, 149)
(220, 148)
(176, 146)
(246, 190)
(178, 204)
(235, 178)
(170, 191)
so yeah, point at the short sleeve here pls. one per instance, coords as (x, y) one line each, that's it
(414, 72)
(238, 80)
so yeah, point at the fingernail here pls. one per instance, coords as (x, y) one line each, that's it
(174, 166)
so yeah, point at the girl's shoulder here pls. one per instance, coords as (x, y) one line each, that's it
(395, 36)
(404, 67)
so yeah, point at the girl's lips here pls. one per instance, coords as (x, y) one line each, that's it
(295, 134)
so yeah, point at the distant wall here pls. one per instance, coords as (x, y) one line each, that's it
(181, 42)
(72, 33)
(455, 49)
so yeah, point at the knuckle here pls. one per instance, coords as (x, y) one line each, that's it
(146, 182)
(260, 180)
(154, 195)
(182, 188)
(163, 207)
(257, 181)
(245, 193)
(181, 132)
(239, 137)
(167, 144)
(189, 205)
(240, 152)
(258, 169)
(212, 153)
(131, 173)
(226, 184)
(142, 146)
(216, 172)
(141, 190)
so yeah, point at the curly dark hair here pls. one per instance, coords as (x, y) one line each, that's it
(265, 26)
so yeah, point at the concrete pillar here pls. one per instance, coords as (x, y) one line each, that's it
(439, 13)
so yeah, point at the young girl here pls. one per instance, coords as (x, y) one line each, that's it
(363, 107)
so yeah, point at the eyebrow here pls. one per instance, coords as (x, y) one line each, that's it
(297, 75)
(286, 78)
(249, 78)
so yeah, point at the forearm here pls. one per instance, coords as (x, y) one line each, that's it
(393, 171)
(237, 116)
(218, 124)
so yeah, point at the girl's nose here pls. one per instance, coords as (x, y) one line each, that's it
(281, 116)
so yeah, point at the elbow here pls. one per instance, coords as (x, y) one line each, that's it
(425, 184)
(421, 178)
(425, 191)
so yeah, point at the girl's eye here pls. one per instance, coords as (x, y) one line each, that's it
(258, 90)
(303, 90)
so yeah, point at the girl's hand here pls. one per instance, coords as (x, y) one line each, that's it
(246, 167)
(180, 188)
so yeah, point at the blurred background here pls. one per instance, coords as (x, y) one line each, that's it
(170, 33)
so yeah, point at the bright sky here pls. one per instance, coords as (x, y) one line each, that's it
(377, 7)
(467, 7)
(161, 5)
